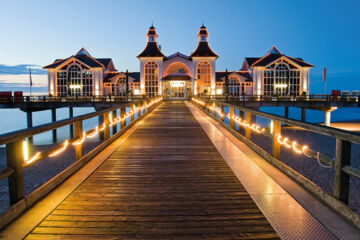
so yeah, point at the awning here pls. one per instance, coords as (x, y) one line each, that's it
(176, 77)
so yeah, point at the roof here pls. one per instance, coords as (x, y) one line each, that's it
(83, 56)
(134, 75)
(272, 56)
(178, 54)
(203, 50)
(151, 50)
(219, 76)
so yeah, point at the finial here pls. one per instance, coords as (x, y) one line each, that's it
(152, 23)
(203, 24)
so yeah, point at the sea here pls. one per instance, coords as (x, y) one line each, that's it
(14, 119)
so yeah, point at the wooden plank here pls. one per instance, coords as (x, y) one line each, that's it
(167, 180)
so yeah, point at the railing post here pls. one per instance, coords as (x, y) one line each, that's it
(139, 108)
(71, 126)
(114, 127)
(101, 122)
(79, 149)
(222, 111)
(248, 130)
(215, 106)
(232, 121)
(132, 110)
(341, 179)
(122, 115)
(53, 119)
(276, 146)
(107, 128)
(29, 125)
(15, 160)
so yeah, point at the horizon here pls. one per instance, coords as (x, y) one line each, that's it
(312, 31)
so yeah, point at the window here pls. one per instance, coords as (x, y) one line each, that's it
(74, 80)
(234, 86)
(177, 69)
(120, 86)
(203, 39)
(281, 79)
(151, 79)
(151, 39)
(203, 77)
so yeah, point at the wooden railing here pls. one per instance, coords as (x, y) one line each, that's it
(287, 98)
(338, 201)
(19, 156)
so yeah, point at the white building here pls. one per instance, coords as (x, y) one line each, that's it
(179, 76)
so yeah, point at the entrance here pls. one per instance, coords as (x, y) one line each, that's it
(177, 89)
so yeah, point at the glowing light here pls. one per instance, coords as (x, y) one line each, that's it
(33, 159)
(103, 127)
(93, 134)
(286, 144)
(278, 139)
(80, 141)
(75, 86)
(219, 91)
(281, 85)
(297, 150)
(25, 150)
(57, 152)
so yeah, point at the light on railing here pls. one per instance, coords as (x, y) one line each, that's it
(57, 152)
(80, 141)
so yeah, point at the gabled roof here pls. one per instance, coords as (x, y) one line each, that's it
(273, 55)
(110, 75)
(178, 54)
(83, 56)
(151, 50)
(220, 76)
(203, 50)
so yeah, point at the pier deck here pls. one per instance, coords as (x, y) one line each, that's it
(167, 180)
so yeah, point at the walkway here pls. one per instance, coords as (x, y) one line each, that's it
(167, 180)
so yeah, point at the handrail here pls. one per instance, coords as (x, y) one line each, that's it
(338, 201)
(17, 153)
(24, 133)
(329, 131)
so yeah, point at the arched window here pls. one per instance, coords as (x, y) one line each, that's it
(203, 77)
(282, 79)
(120, 86)
(74, 81)
(151, 78)
(234, 86)
(177, 69)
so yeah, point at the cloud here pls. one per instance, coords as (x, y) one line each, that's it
(21, 69)
(23, 80)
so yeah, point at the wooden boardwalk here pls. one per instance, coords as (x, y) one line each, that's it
(166, 181)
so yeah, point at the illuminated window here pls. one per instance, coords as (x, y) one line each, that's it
(234, 86)
(120, 86)
(74, 80)
(151, 78)
(177, 68)
(203, 77)
(281, 79)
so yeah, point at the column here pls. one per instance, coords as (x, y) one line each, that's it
(71, 126)
(303, 114)
(53, 119)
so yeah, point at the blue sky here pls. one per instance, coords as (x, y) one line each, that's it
(324, 33)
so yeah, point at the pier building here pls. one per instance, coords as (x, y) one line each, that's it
(179, 76)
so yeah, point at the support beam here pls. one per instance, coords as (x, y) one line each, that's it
(248, 130)
(53, 119)
(79, 149)
(114, 127)
(106, 117)
(222, 110)
(286, 111)
(327, 118)
(276, 131)
(101, 122)
(133, 111)
(15, 158)
(341, 179)
(29, 121)
(71, 126)
(232, 121)
(303, 114)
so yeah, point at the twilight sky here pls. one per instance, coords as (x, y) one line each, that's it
(323, 33)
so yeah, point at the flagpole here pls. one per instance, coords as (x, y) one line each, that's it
(30, 81)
